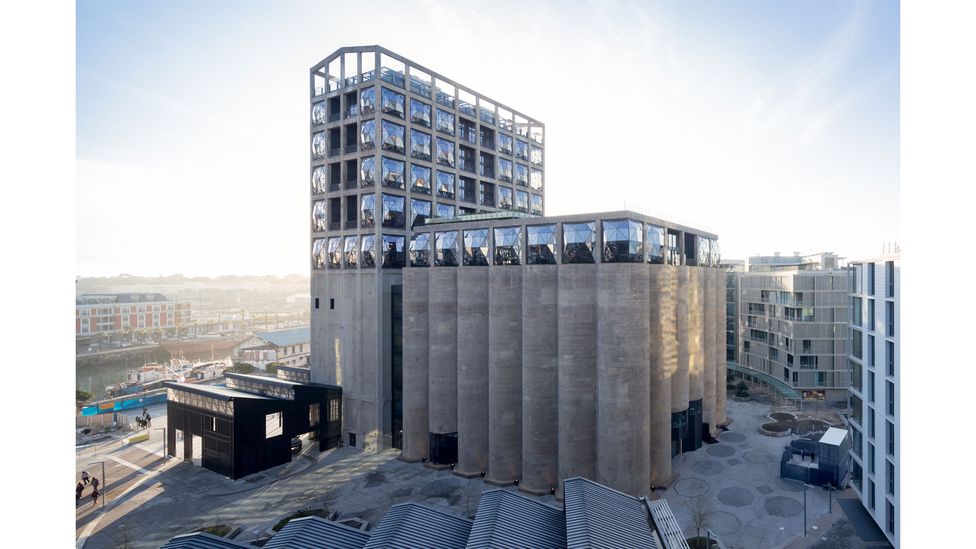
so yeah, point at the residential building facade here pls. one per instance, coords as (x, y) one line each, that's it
(116, 316)
(290, 347)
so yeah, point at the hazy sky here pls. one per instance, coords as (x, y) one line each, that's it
(773, 124)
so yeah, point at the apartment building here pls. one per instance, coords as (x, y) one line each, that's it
(117, 315)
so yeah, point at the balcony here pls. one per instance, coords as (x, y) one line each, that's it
(468, 134)
(334, 117)
(335, 225)
(351, 183)
(487, 171)
(334, 152)
(348, 149)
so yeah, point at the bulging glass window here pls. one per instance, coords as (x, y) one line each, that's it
(393, 211)
(393, 103)
(318, 253)
(623, 241)
(318, 180)
(508, 246)
(420, 179)
(521, 175)
(540, 245)
(367, 210)
(579, 240)
(368, 250)
(445, 210)
(419, 145)
(535, 181)
(318, 216)
(350, 252)
(319, 145)
(335, 252)
(420, 250)
(419, 211)
(715, 252)
(445, 122)
(521, 201)
(703, 251)
(506, 144)
(393, 173)
(505, 198)
(536, 156)
(446, 249)
(536, 206)
(655, 244)
(367, 135)
(367, 171)
(392, 251)
(393, 135)
(367, 101)
(505, 170)
(445, 152)
(445, 184)
(420, 113)
(521, 150)
(476, 247)
(319, 114)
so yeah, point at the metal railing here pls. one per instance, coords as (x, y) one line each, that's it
(334, 152)
(334, 116)
(350, 148)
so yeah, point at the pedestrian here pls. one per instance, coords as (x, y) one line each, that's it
(78, 491)
(84, 477)
(94, 497)
(148, 420)
(95, 483)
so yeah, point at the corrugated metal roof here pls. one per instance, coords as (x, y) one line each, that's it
(834, 436)
(667, 526)
(281, 338)
(506, 519)
(597, 516)
(199, 540)
(316, 533)
(410, 525)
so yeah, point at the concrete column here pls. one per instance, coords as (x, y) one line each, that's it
(696, 334)
(679, 381)
(623, 378)
(663, 363)
(472, 371)
(721, 417)
(576, 305)
(708, 405)
(443, 350)
(504, 375)
(416, 360)
(540, 379)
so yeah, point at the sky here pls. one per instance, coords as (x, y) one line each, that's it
(772, 124)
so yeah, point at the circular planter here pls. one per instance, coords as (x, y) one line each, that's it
(741, 399)
(775, 429)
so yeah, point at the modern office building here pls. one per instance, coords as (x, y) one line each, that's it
(874, 392)
(793, 328)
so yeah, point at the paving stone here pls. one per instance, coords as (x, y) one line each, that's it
(782, 506)
(720, 450)
(764, 490)
(708, 467)
(736, 496)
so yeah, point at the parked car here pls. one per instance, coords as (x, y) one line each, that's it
(296, 444)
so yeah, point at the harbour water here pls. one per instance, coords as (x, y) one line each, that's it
(95, 377)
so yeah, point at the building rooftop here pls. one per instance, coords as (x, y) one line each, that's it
(410, 525)
(598, 516)
(200, 540)
(314, 532)
(834, 436)
(507, 519)
(218, 392)
(97, 299)
(281, 338)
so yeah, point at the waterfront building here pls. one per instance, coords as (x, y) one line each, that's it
(290, 347)
(875, 364)
(115, 316)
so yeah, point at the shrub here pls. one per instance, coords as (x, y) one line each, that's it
(220, 530)
(297, 514)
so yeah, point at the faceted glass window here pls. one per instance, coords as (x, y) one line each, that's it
(420, 113)
(505, 198)
(714, 255)
(419, 210)
(508, 246)
(445, 122)
(446, 249)
(392, 251)
(420, 179)
(393, 211)
(521, 150)
(319, 115)
(419, 145)
(393, 137)
(420, 250)
(702, 251)
(393, 173)
(318, 216)
(505, 170)
(393, 103)
(522, 175)
(367, 171)
(350, 252)
(445, 184)
(540, 245)
(655, 244)
(535, 181)
(335, 252)
(319, 145)
(318, 253)
(445, 210)
(445, 152)
(536, 206)
(367, 135)
(367, 101)
(579, 240)
(476, 247)
(536, 156)
(318, 180)
(521, 201)
(623, 241)
(505, 144)
(367, 211)
(368, 250)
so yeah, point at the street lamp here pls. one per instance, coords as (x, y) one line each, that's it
(104, 481)
(163, 429)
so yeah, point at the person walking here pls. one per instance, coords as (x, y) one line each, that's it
(95, 483)
(148, 420)
(84, 477)
(94, 497)
(78, 491)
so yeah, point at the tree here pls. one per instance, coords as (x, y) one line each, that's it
(741, 389)
(272, 367)
(241, 368)
(700, 509)
(83, 395)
